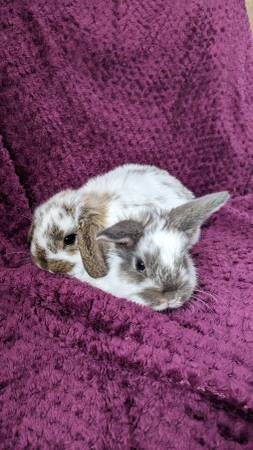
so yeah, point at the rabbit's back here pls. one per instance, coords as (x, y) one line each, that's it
(131, 188)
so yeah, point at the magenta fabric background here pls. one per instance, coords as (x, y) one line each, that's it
(85, 86)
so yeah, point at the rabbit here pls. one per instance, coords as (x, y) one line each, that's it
(127, 232)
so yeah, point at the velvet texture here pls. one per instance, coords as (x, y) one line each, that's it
(85, 86)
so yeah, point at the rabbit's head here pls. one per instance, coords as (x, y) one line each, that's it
(149, 256)
(63, 235)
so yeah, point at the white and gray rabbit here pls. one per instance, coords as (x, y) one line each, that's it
(127, 232)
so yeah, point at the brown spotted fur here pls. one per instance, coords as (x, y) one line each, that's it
(93, 219)
(53, 265)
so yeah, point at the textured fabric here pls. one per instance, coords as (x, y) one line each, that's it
(85, 86)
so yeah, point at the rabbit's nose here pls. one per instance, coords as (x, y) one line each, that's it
(165, 302)
(175, 302)
(170, 289)
(161, 304)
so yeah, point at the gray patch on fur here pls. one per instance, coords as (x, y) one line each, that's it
(128, 270)
(169, 282)
(168, 279)
(155, 297)
(126, 232)
(191, 215)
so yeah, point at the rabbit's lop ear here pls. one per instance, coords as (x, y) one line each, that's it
(190, 216)
(125, 233)
(92, 252)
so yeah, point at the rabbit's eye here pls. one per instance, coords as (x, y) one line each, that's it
(70, 239)
(140, 266)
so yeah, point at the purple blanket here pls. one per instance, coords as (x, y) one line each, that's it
(87, 85)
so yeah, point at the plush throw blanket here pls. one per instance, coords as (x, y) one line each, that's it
(85, 86)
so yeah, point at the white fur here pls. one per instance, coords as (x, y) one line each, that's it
(170, 244)
(136, 189)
